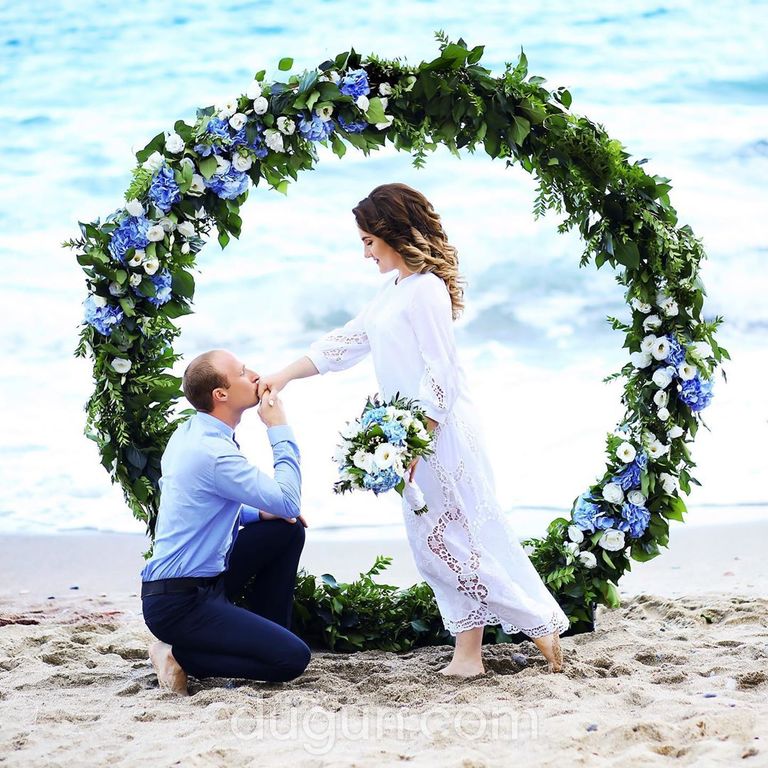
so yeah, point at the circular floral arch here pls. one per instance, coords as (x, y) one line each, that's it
(194, 178)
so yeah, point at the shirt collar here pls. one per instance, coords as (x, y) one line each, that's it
(217, 424)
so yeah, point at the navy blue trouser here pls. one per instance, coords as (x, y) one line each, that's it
(211, 637)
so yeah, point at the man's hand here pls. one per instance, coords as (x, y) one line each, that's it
(269, 516)
(271, 410)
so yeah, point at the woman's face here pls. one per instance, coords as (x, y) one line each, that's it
(384, 255)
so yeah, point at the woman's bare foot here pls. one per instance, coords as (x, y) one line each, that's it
(170, 675)
(553, 653)
(464, 668)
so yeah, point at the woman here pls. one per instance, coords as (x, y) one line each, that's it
(463, 547)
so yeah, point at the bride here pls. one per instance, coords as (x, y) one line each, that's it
(463, 547)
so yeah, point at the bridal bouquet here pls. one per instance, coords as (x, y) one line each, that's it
(378, 448)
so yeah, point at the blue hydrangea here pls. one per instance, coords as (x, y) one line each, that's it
(103, 319)
(130, 233)
(585, 512)
(315, 129)
(676, 354)
(258, 146)
(629, 477)
(637, 518)
(609, 521)
(164, 191)
(394, 432)
(381, 481)
(239, 138)
(228, 185)
(696, 393)
(218, 127)
(356, 126)
(206, 149)
(355, 84)
(641, 459)
(162, 283)
(373, 416)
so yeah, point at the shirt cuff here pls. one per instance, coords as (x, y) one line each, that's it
(320, 361)
(279, 434)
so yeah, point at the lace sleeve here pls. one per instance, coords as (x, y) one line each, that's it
(341, 348)
(432, 323)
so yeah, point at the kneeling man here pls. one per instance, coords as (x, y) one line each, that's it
(203, 560)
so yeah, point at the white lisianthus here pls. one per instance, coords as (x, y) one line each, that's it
(274, 140)
(626, 452)
(151, 265)
(174, 143)
(640, 360)
(237, 121)
(197, 186)
(167, 224)
(662, 378)
(134, 207)
(399, 467)
(588, 559)
(661, 398)
(253, 91)
(363, 102)
(154, 161)
(613, 492)
(669, 483)
(241, 162)
(700, 350)
(674, 432)
(185, 248)
(656, 449)
(385, 455)
(661, 348)
(648, 343)
(135, 279)
(121, 365)
(640, 306)
(364, 461)
(260, 105)
(116, 289)
(663, 414)
(222, 165)
(226, 111)
(186, 229)
(651, 323)
(350, 429)
(572, 547)
(669, 308)
(385, 89)
(137, 258)
(155, 233)
(388, 120)
(575, 534)
(686, 371)
(636, 497)
(285, 125)
(612, 540)
(324, 112)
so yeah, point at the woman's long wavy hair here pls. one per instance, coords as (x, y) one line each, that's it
(404, 219)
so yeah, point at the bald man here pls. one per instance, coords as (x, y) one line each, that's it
(203, 559)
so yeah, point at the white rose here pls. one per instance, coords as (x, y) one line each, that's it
(388, 120)
(254, 90)
(663, 414)
(155, 233)
(669, 308)
(613, 492)
(648, 343)
(116, 289)
(575, 534)
(151, 265)
(285, 125)
(669, 483)
(363, 103)
(674, 432)
(385, 455)
(154, 161)
(99, 301)
(636, 497)
(651, 323)
(222, 165)
(174, 143)
(167, 224)
(572, 547)
(197, 186)
(237, 121)
(324, 113)
(700, 350)
(121, 365)
(134, 207)
(686, 371)
(186, 229)
(612, 540)
(662, 378)
(640, 306)
(227, 110)
(137, 258)
(274, 140)
(626, 452)
(385, 89)
(241, 162)
(135, 279)
(640, 359)
(661, 398)
(260, 105)
(363, 461)
(661, 348)
(588, 559)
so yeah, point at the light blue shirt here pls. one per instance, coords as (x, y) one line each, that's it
(208, 489)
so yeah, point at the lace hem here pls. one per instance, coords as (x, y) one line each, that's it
(481, 617)
(346, 340)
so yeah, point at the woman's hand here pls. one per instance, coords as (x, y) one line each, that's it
(271, 383)
(431, 424)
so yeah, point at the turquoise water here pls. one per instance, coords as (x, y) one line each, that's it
(83, 85)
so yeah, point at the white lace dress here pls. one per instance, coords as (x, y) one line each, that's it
(463, 546)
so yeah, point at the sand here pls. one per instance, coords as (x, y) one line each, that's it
(678, 675)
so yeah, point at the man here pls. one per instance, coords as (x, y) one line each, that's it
(202, 560)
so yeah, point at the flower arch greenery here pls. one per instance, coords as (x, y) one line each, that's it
(138, 265)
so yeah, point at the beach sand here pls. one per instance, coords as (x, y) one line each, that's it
(678, 674)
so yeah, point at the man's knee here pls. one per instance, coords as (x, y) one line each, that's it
(294, 660)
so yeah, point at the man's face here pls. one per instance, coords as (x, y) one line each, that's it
(243, 382)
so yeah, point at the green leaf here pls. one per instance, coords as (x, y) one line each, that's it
(627, 254)
(208, 166)
(375, 113)
(285, 64)
(339, 147)
(183, 284)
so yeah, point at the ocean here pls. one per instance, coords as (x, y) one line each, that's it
(85, 84)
